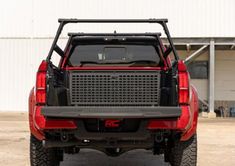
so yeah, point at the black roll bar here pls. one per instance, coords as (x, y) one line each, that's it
(113, 34)
(151, 20)
(63, 22)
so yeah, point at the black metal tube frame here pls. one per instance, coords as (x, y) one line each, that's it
(63, 22)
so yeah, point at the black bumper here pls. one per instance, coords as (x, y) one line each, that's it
(110, 112)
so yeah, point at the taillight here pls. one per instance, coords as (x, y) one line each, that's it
(184, 85)
(43, 124)
(41, 83)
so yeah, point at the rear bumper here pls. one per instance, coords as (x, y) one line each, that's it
(110, 112)
(50, 118)
(141, 138)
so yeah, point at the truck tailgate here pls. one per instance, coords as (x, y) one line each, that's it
(110, 112)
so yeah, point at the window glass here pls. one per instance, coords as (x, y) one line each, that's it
(198, 69)
(113, 53)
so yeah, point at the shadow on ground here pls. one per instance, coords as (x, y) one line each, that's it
(95, 158)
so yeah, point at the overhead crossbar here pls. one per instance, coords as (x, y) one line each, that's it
(151, 20)
(63, 22)
(114, 34)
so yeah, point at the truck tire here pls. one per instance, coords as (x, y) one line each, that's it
(40, 156)
(184, 153)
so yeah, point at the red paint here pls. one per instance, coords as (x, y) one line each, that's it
(194, 110)
(184, 119)
(39, 120)
(33, 130)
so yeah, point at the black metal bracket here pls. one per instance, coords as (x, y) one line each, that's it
(63, 22)
(151, 20)
(113, 34)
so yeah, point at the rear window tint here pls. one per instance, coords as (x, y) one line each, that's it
(113, 53)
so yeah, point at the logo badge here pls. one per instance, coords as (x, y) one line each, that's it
(110, 123)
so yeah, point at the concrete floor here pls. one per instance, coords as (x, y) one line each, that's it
(216, 146)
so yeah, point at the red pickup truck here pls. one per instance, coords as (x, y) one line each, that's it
(113, 92)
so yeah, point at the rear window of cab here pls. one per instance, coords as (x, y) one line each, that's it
(107, 53)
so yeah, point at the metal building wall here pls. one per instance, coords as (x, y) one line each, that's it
(224, 75)
(188, 18)
(27, 27)
(20, 59)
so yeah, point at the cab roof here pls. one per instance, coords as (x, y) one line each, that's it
(111, 37)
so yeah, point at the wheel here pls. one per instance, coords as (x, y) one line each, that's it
(184, 153)
(40, 156)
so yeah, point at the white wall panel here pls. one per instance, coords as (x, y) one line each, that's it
(202, 88)
(224, 75)
(16, 18)
(20, 59)
(187, 18)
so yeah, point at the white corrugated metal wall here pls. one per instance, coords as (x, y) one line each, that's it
(26, 28)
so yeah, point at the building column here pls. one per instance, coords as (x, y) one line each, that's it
(212, 79)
